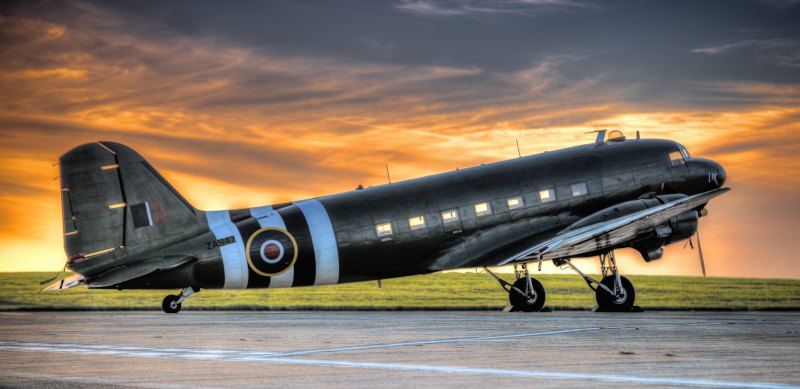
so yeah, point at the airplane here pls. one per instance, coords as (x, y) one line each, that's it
(126, 227)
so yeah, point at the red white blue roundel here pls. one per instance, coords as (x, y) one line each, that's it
(271, 251)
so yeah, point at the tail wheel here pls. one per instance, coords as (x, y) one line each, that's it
(622, 300)
(530, 300)
(171, 304)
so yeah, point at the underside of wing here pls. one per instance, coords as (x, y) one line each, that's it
(611, 233)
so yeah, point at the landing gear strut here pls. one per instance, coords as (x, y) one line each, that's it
(614, 293)
(172, 303)
(526, 294)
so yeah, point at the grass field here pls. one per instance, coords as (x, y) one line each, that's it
(21, 291)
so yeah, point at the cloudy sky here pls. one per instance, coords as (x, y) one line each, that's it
(250, 103)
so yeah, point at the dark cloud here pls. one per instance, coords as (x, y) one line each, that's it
(781, 52)
(489, 8)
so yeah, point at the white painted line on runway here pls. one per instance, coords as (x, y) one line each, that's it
(534, 374)
(248, 356)
(437, 341)
(99, 381)
(481, 338)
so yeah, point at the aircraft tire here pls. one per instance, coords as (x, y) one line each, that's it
(609, 303)
(167, 304)
(521, 302)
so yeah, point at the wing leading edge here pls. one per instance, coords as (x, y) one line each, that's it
(613, 232)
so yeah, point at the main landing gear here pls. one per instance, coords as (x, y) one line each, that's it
(614, 293)
(526, 294)
(172, 303)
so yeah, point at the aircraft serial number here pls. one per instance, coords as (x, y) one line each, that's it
(220, 242)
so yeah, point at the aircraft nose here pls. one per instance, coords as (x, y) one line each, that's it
(716, 174)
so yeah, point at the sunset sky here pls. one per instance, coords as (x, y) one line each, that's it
(242, 104)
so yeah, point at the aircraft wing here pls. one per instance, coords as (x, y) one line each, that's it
(610, 233)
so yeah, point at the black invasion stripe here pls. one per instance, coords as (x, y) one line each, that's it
(247, 226)
(305, 269)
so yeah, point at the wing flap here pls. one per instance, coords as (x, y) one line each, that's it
(613, 232)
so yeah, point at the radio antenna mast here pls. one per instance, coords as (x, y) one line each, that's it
(519, 154)
(387, 173)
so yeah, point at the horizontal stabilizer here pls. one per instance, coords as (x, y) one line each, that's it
(119, 275)
(66, 283)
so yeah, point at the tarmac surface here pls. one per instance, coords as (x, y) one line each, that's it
(399, 349)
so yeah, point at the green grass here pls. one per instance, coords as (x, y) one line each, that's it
(21, 291)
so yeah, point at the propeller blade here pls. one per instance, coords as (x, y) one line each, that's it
(700, 251)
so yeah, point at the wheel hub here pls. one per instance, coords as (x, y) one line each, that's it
(620, 296)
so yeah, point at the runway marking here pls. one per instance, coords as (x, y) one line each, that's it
(99, 381)
(266, 357)
(438, 341)
(482, 338)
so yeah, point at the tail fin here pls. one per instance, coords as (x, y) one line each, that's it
(112, 198)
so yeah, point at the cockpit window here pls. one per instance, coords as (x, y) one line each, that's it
(685, 153)
(677, 158)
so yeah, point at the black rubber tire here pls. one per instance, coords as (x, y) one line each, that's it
(610, 303)
(522, 302)
(167, 304)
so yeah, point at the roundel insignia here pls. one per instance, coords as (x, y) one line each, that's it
(271, 251)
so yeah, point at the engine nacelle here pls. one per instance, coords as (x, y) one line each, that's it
(650, 246)
(678, 228)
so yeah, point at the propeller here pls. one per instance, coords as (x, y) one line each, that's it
(701, 213)
(700, 251)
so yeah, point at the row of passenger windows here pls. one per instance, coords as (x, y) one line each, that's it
(481, 209)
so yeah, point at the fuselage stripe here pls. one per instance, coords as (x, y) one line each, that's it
(247, 226)
(305, 267)
(234, 263)
(325, 251)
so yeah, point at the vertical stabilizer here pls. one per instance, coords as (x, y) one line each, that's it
(113, 199)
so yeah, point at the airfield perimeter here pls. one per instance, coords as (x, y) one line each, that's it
(399, 349)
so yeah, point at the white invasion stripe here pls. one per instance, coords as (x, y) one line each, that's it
(324, 240)
(234, 262)
(249, 356)
(268, 217)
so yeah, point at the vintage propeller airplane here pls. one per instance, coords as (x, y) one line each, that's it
(125, 227)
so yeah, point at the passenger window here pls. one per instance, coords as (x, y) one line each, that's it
(450, 216)
(676, 157)
(416, 222)
(547, 195)
(579, 189)
(482, 209)
(383, 229)
(515, 202)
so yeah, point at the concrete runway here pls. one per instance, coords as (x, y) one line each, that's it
(399, 349)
